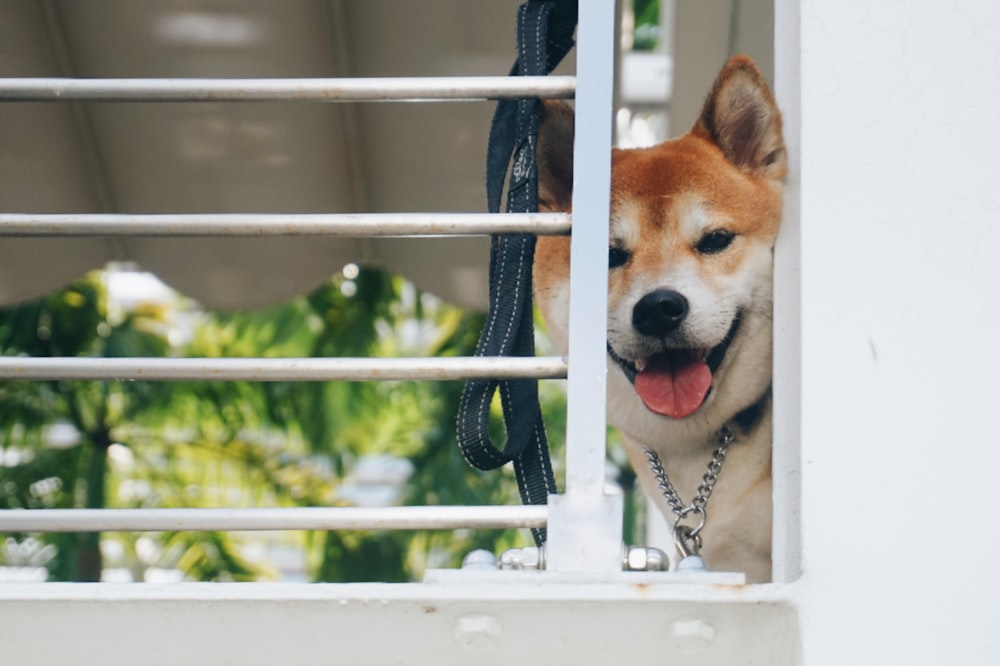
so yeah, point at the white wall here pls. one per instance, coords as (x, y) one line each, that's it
(900, 226)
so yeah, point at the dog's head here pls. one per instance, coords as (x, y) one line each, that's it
(693, 227)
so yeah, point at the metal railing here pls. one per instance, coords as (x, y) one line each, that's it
(270, 224)
(299, 518)
(404, 89)
(584, 511)
(280, 369)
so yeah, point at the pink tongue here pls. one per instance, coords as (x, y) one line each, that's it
(674, 386)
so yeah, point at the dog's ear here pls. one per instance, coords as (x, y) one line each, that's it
(555, 156)
(741, 117)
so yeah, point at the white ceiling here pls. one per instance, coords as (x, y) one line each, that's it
(247, 157)
(272, 157)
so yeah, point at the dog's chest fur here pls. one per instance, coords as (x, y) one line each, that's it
(737, 535)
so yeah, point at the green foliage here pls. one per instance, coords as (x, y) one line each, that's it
(210, 556)
(240, 444)
(72, 322)
(646, 32)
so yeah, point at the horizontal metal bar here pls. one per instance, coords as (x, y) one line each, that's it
(305, 518)
(281, 369)
(237, 224)
(257, 90)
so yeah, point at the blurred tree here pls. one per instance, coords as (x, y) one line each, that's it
(146, 444)
(646, 31)
(62, 431)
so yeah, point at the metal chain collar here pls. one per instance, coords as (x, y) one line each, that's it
(687, 538)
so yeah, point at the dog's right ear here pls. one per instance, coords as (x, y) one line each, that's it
(555, 156)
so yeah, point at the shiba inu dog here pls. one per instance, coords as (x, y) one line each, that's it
(692, 234)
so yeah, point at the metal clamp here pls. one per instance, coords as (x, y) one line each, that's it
(530, 558)
(634, 558)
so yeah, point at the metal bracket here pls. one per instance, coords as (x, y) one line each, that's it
(532, 558)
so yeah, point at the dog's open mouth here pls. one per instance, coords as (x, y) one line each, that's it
(676, 382)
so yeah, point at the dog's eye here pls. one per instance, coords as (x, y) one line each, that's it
(715, 241)
(616, 257)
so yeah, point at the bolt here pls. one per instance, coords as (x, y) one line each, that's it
(639, 558)
(480, 560)
(520, 559)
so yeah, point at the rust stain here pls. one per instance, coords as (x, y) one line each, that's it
(741, 589)
(642, 588)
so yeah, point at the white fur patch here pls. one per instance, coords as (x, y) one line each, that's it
(624, 227)
(696, 216)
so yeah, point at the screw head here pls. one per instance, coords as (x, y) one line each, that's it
(480, 560)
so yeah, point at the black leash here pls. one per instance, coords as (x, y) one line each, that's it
(544, 37)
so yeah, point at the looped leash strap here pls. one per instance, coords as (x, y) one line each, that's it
(545, 35)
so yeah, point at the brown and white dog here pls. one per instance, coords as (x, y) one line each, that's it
(693, 227)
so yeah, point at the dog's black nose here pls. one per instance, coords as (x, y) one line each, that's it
(659, 312)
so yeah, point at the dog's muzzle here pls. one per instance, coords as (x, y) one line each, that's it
(673, 381)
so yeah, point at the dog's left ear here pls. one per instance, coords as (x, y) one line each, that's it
(741, 117)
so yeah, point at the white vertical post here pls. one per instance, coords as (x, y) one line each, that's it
(585, 525)
(899, 207)
(787, 429)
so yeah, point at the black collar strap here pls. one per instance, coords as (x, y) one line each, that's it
(750, 417)
(545, 35)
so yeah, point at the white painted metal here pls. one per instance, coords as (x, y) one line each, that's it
(585, 526)
(300, 518)
(257, 90)
(786, 461)
(364, 624)
(263, 224)
(475, 575)
(280, 369)
(885, 378)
